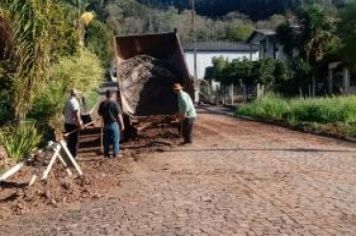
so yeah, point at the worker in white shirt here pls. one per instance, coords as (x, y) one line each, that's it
(72, 122)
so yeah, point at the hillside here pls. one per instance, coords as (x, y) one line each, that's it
(255, 9)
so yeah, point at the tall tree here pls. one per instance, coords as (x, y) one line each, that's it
(347, 32)
(313, 38)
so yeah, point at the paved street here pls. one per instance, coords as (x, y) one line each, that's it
(239, 178)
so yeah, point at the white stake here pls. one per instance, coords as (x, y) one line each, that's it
(33, 179)
(12, 171)
(50, 165)
(64, 146)
(65, 165)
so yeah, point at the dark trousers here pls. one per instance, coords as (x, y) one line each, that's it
(187, 130)
(72, 141)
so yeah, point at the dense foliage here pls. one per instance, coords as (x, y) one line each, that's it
(47, 47)
(131, 17)
(347, 32)
(268, 72)
(255, 9)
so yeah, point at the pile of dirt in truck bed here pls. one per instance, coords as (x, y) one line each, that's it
(145, 85)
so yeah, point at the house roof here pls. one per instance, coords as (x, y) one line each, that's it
(263, 32)
(266, 32)
(220, 46)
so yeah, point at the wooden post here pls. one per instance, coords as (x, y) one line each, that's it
(64, 146)
(346, 80)
(314, 86)
(50, 165)
(12, 171)
(32, 181)
(330, 80)
(232, 93)
(65, 164)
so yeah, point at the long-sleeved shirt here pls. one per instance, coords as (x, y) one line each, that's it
(185, 105)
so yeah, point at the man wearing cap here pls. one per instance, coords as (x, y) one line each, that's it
(187, 113)
(72, 122)
(111, 114)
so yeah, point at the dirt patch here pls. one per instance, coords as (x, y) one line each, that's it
(101, 176)
(60, 189)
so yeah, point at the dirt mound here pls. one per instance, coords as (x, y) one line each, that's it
(60, 189)
(101, 176)
(146, 86)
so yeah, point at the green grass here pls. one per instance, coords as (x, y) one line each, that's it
(332, 114)
(19, 140)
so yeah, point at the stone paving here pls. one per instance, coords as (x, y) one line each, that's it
(239, 178)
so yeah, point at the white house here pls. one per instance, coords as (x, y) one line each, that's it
(206, 51)
(268, 44)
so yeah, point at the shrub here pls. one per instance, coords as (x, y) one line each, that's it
(267, 107)
(299, 110)
(49, 102)
(20, 139)
(83, 71)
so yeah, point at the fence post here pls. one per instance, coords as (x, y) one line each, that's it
(232, 93)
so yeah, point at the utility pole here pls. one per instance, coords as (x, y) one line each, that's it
(196, 80)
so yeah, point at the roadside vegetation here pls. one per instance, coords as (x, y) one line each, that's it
(46, 48)
(334, 115)
(20, 139)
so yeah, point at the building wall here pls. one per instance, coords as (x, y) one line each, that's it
(204, 60)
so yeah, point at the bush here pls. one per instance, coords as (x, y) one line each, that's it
(20, 139)
(49, 102)
(320, 110)
(324, 110)
(83, 71)
(267, 107)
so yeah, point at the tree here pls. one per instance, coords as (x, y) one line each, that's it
(281, 74)
(301, 73)
(239, 33)
(347, 32)
(265, 70)
(314, 38)
(272, 23)
(217, 71)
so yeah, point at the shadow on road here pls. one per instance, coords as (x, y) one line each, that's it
(262, 149)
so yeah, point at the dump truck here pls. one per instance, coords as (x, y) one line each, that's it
(146, 68)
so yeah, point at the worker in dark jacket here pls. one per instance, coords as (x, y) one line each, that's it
(111, 114)
(187, 113)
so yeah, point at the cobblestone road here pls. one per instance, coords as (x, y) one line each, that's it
(239, 178)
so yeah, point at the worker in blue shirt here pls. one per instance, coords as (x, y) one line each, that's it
(187, 113)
